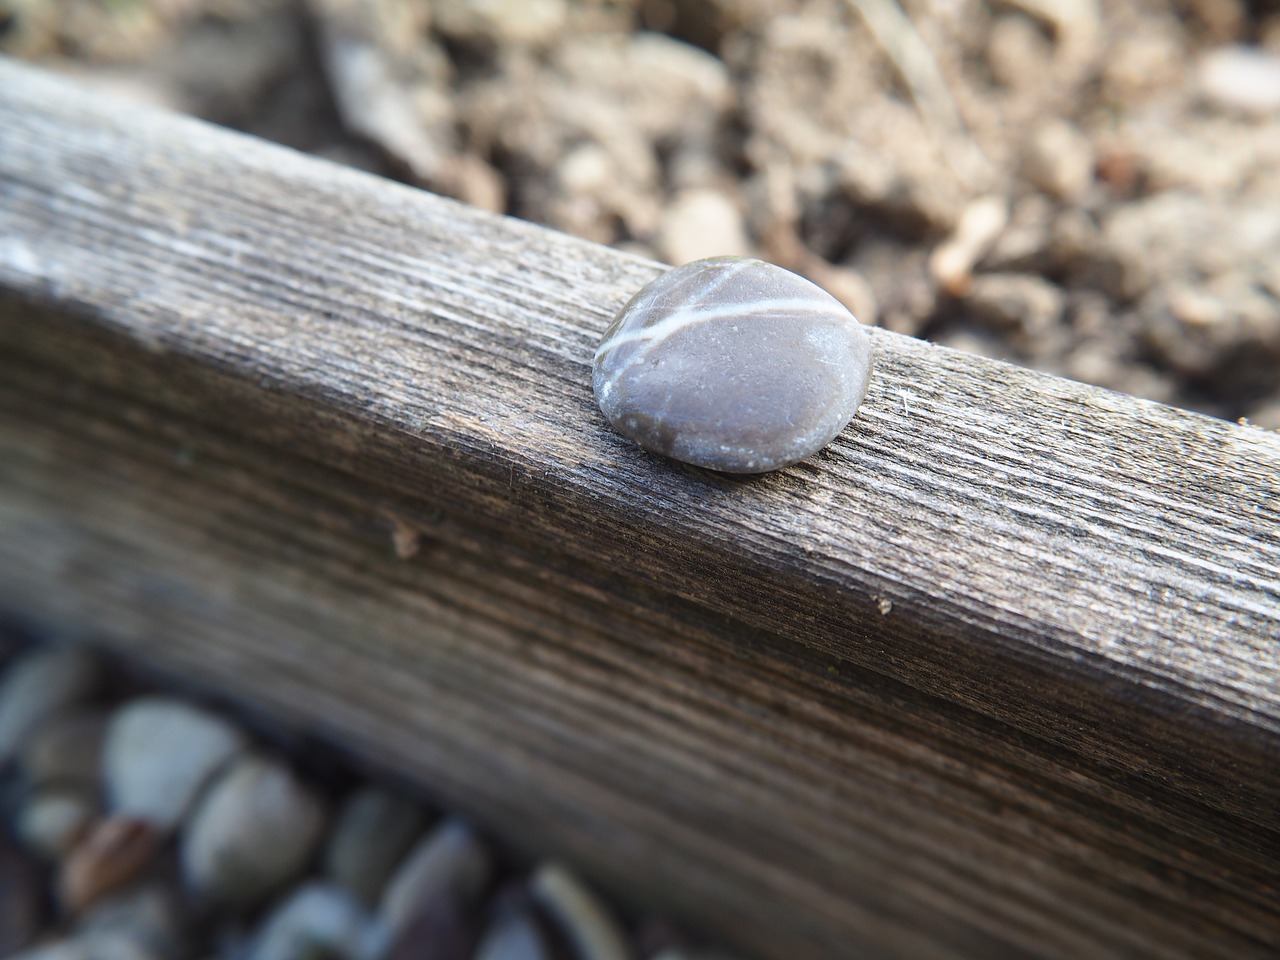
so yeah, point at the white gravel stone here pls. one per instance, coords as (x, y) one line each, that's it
(255, 829)
(39, 686)
(159, 753)
(1241, 80)
(50, 821)
(373, 833)
(700, 223)
(317, 920)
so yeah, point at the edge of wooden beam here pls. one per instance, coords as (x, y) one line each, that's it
(1096, 576)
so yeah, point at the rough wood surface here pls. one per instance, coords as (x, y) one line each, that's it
(994, 675)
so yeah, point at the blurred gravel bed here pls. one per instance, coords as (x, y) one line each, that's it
(1091, 188)
(145, 826)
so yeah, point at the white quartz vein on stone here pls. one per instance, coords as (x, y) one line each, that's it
(691, 315)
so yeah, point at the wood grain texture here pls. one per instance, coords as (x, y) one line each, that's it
(996, 674)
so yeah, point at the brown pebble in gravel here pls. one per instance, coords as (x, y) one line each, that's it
(114, 852)
(1120, 167)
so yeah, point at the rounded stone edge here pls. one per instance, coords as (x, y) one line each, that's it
(768, 465)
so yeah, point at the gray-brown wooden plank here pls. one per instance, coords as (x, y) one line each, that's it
(994, 675)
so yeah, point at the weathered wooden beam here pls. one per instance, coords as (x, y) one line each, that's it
(996, 674)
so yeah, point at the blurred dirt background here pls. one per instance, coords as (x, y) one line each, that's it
(1089, 187)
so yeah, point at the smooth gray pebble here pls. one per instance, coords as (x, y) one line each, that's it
(255, 829)
(38, 686)
(732, 364)
(371, 836)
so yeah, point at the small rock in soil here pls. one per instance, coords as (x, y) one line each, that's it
(1058, 159)
(1024, 306)
(951, 263)
(112, 853)
(701, 223)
